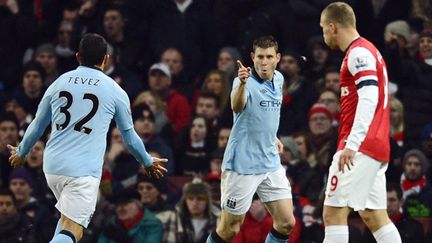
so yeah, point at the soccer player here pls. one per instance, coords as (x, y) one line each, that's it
(251, 161)
(357, 174)
(80, 105)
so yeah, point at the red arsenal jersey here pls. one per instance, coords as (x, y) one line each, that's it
(365, 113)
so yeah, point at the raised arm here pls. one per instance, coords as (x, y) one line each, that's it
(238, 95)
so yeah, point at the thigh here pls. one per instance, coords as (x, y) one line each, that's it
(275, 187)
(237, 191)
(56, 184)
(78, 199)
(377, 198)
(352, 188)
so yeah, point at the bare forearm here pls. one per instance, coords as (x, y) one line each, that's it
(238, 98)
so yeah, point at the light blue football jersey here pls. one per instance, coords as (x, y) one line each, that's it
(251, 146)
(80, 105)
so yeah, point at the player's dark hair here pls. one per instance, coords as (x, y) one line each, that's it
(265, 42)
(395, 187)
(209, 95)
(92, 49)
(116, 8)
(341, 13)
(4, 191)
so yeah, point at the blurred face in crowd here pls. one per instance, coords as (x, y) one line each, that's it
(116, 136)
(265, 61)
(158, 81)
(214, 83)
(64, 33)
(113, 24)
(289, 66)
(207, 107)
(301, 145)
(174, 60)
(48, 61)
(393, 203)
(331, 81)
(32, 82)
(413, 168)
(198, 130)
(148, 193)
(21, 189)
(395, 117)
(144, 125)
(319, 123)
(196, 206)
(35, 157)
(17, 109)
(223, 137)
(7, 206)
(330, 100)
(8, 133)
(425, 47)
(413, 41)
(226, 62)
(127, 210)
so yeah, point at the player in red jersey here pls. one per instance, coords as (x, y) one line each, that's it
(357, 174)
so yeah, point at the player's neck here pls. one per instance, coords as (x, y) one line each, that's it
(347, 37)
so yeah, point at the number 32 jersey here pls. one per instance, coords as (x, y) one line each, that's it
(81, 104)
(365, 112)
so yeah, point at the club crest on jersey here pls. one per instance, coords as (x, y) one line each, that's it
(344, 91)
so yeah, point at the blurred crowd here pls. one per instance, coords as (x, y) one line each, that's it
(176, 59)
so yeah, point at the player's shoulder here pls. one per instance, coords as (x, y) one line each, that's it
(278, 76)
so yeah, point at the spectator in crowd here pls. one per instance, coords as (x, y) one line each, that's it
(318, 58)
(156, 105)
(298, 95)
(173, 58)
(426, 144)
(330, 98)
(33, 76)
(304, 147)
(223, 136)
(131, 223)
(46, 55)
(417, 192)
(226, 61)
(396, 121)
(127, 79)
(411, 231)
(23, 117)
(8, 135)
(416, 27)
(64, 46)
(322, 137)
(127, 51)
(40, 189)
(331, 79)
(193, 148)
(396, 36)
(196, 213)
(144, 122)
(152, 198)
(15, 226)
(413, 78)
(21, 185)
(257, 223)
(177, 107)
(208, 107)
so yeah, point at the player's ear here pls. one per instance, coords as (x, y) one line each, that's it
(252, 55)
(278, 57)
(77, 55)
(106, 60)
(333, 28)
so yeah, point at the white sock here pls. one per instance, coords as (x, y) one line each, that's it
(387, 234)
(336, 234)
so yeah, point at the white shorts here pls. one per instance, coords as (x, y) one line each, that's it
(237, 190)
(76, 196)
(364, 186)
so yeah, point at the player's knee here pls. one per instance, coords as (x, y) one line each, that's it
(369, 219)
(230, 230)
(285, 226)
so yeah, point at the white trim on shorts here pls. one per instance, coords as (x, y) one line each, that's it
(237, 190)
(364, 186)
(76, 196)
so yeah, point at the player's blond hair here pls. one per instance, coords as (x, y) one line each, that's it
(341, 13)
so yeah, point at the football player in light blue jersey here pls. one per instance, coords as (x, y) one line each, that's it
(251, 161)
(80, 105)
